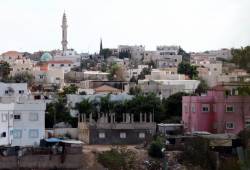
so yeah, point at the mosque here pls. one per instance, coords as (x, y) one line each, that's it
(65, 54)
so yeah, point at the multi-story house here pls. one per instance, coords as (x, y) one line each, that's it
(165, 88)
(12, 92)
(11, 56)
(21, 65)
(6, 124)
(22, 124)
(216, 112)
(66, 65)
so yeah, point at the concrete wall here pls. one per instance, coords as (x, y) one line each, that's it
(112, 136)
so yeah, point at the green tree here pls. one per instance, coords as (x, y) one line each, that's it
(149, 103)
(188, 69)
(118, 159)
(4, 70)
(135, 90)
(244, 91)
(106, 52)
(202, 87)
(144, 72)
(58, 112)
(173, 106)
(85, 106)
(71, 89)
(185, 55)
(155, 148)
(241, 57)
(23, 77)
(116, 73)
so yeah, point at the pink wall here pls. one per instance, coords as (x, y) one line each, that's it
(215, 119)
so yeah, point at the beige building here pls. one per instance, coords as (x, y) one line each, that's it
(22, 65)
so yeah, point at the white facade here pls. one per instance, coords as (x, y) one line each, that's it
(22, 124)
(136, 51)
(168, 50)
(210, 73)
(6, 124)
(165, 88)
(134, 72)
(51, 76)
(95, 75)
(166, 61)
(29, 124)
(66, 65)
(71, 55)
(11, 92)
(163, 75)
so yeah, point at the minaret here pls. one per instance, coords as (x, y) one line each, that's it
(64, 32)
(100, 47)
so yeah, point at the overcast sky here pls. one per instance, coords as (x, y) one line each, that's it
(196, 25)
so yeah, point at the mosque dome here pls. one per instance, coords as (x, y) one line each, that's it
(46, 57)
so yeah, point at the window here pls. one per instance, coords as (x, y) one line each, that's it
(33, 116)
(193, 108)
(229, 125)
(52, 65)
(186, 108)
(62, 65)
(229, 108)
(57, 78)
(17, 134)
(205, 107)
(247, 123)
(17, 117)
(3, 135)
(142, 135)
(6, 92)
(33, 133)
(102, 135)
(122, 135)
(21, 91)
(4, 117)
(69, 65)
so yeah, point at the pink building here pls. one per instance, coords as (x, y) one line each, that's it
(216, 112)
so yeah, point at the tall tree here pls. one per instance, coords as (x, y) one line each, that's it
(188, 69)
(241, 57)
(173, 105)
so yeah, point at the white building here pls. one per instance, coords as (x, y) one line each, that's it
(210, 73)
(66, 65)
(136, 51)
(134, 72)
(69, 55)
(24, 123)
(51, 76)
(6, 125)
(168, 61)
(29, 124)
(95, 75)
(157, 74)
(21, 65)
(11, 56)
(168, 50)
(165, 88)
(11, 92)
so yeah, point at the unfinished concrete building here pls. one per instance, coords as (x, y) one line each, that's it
(106, 130)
